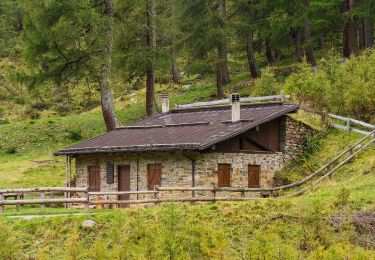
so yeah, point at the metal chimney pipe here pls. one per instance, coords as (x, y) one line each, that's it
(236, 111)
(164, 103)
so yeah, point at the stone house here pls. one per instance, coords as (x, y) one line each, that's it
(238, 146)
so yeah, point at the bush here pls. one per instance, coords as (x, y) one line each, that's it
(11, 150)
(40, 106)
(20, 100)
(74, 135)
(266, 85)
(345, 88)
(63, 109)
(32, 114)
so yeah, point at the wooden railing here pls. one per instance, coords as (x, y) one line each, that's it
(225, 101)
(87, 198)
(349, 122)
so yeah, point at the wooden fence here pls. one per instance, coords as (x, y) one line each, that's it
(87, 198)
(349, 122)
(225, 101)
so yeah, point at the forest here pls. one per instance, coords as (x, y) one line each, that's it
(71, 70)
(74, 55)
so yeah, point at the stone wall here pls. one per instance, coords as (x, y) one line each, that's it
(296, 134)
(177, 168)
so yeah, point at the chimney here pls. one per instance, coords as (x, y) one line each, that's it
(164, 103)
(235, 101)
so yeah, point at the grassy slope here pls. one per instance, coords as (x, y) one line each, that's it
(239, 230)
(283, 229)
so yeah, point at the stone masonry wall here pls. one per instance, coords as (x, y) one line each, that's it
(296, 134)
(177, 168)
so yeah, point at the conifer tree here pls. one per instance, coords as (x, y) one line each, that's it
(66, 41)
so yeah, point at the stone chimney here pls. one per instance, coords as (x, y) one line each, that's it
(164, 103)
(235, 101)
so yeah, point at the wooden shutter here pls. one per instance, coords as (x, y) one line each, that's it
(110, 172)
(94, 178)
(153, 176)
(223, 175)
(253, 176)
(124, 183)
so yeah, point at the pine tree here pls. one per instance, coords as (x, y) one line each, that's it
(67, 41)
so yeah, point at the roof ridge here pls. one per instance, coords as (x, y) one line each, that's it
(161, 126)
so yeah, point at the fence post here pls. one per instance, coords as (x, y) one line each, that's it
(214, 191)
(87, 203)
(348, 125)
(156, 194)
(42, 206)
(282, 96)
(1, 203)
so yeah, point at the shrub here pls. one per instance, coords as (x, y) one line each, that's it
(40, 106)
(266, 85)
(32, 114)
(20, 100)
(63, 109)
(11, 150)
(345, 88)
(74, 135)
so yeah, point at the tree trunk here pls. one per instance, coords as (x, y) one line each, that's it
(150, 80)
(278, 54)
(365, 33)
(175, 77)
(219, 82)
(369, 31)
(307, 38)
(350, 33)
(251, 57)
(299, 52)
(270, 59)
(321, 41)
(105, 83)
(222, 50)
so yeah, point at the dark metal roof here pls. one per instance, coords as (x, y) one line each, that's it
(190, 129)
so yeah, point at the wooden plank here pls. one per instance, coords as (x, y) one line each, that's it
(99, 193)
(96, 202)
(1, 205)
(42, 201)
(42, 197)
(44, 189)
(227, 101)
(184, 189)
(355, 121)
(355, 130)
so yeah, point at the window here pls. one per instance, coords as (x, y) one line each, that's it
(94, 178)
(110, 172)
(153, 176)
(224, 175)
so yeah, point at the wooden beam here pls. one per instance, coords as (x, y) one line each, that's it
(44, 189)
(259, 145)
(227, 101)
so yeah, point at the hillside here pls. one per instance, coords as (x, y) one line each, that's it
(331, 221)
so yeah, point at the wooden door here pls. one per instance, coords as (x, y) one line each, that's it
(223, 175)
(124, 182)
(94, 178)
(253, 176)
(153, 176)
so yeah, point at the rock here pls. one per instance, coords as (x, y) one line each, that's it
(88, 223)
